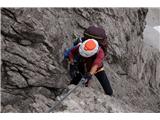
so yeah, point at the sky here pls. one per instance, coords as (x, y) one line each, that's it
(152, 30)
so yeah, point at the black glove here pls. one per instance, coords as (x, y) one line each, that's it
(73, 70)
(87, 77)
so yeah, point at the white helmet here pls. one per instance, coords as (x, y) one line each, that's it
(88, 48)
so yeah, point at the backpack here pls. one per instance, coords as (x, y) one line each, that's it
(92, 32)
(97, 33)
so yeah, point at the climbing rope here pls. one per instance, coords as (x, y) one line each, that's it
(81, 83)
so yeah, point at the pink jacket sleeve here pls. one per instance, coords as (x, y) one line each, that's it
(99, 58)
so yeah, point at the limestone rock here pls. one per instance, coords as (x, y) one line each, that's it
(32, 45)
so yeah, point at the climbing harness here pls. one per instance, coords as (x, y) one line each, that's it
(81, 83)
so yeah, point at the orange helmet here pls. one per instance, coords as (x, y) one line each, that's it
(88, 48)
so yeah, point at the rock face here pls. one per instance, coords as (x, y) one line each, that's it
(93, 101)
(32, 45)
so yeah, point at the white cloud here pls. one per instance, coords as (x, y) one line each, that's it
(157, 28)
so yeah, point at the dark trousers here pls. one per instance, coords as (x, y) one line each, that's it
(102, 77)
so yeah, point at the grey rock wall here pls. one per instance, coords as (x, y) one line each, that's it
(32, 45)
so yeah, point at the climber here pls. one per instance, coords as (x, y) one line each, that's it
(89, 61)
